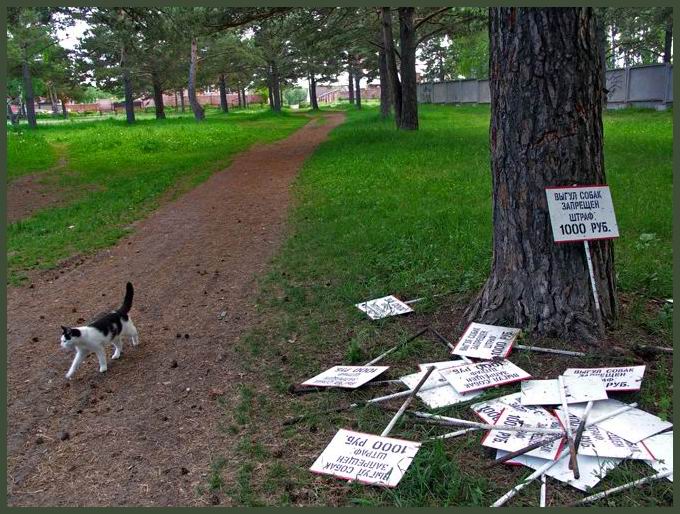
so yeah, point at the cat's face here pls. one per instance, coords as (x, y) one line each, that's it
(68, 337)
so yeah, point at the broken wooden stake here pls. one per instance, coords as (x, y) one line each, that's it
(629, 485)
(406, 403)
(567, 426)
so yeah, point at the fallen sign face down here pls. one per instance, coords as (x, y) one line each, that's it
(486, 341)
(660, 448)
(578, 390)
(633, 425)
(384, 307)
(349, 377)
(366, 458)
(581, 213)
(626, 378)
(473, 377)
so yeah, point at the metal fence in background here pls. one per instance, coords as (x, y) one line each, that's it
(638, 86)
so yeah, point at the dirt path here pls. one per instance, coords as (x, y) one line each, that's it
(144, 432)
(30, 193)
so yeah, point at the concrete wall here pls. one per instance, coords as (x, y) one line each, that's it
(639, 86)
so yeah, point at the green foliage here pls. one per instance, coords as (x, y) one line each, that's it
(295, 96)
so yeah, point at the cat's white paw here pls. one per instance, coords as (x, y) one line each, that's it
(68, 376)
(116, 356)
(102, 369)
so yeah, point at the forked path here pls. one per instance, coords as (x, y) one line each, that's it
(144, 433)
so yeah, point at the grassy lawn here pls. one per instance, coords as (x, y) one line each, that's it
(380, 212)
(117, 173)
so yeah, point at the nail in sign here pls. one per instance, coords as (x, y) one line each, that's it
(349, 377)
(581, 213)
(486, 341)
(384, 307)
(366, 458)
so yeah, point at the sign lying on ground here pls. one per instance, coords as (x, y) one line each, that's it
(581, 213)
(490, 410)
(577, 390)
(440, 364)
(486, 341)
(598, 442)
(442, 395)
(511, 440)
(366, 458)
(626, 378)
(592, 469)
(660, 447)
(473, 377)
(349, 377)
(634, 425)
(384, 307)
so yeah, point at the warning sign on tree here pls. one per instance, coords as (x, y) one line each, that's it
(384, 307)
(581, 213)
(349, 377)
(486, 341)
(472, 377)
(366, 458)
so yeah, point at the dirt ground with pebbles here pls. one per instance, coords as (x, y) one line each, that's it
(144, 432)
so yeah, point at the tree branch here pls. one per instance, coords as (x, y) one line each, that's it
(430, 16)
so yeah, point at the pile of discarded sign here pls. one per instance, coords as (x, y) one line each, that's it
(568, 428)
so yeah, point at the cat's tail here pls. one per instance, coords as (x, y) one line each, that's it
(127, 301)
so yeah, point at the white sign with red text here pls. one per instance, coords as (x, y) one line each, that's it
(625, 378)
(384, 307)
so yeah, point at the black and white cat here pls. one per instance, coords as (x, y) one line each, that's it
(110, 328)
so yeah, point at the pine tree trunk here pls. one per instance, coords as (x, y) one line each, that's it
(351, 85)
(276, 87)
(181, 99)
(384, 87)
(198, 111)
(129, 98)
(157, 96)
(238, 96)
(53, 100)
(409, 87)
(245, 100)
(312, 93)
(271, 94)
(64, 111)
(223, 94)
(546, 130)
(668, 44)
(28, 93)
(390, 55)
(357, 88)
(176, 102)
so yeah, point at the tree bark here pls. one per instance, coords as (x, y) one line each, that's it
(390, 55)
(668, 44)
(357, 88)
(198, 111)
(181, 99)
(409, 87)
(176, 102)
(127, 88)
(64, 111)
(546, 130)
(271, 94)
(312, 93)
(276, 87)
(157, 96)
(384, 87)
(53, 100)
(28, 93)
(351, 85)
(223, 94)
(238, 96)
(245, 100)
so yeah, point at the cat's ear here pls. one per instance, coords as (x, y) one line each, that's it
(66, 330)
